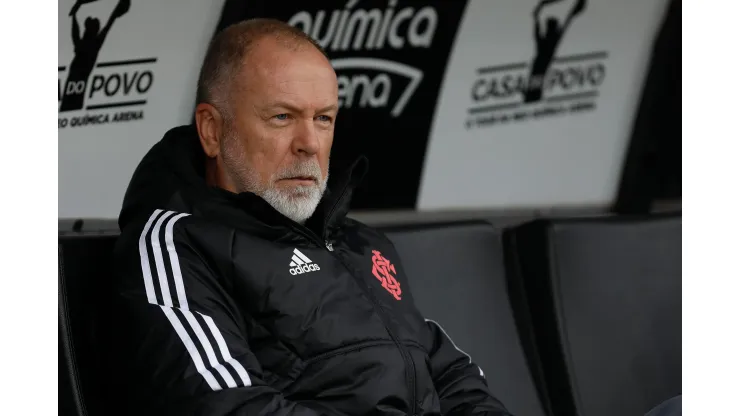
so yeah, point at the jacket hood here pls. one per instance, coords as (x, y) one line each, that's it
(172, 176)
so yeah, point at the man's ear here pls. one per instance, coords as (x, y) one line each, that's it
(210, 125)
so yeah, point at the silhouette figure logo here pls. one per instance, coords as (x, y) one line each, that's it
(87, 46)
(547, 38)
(384, 271)
(544, 84)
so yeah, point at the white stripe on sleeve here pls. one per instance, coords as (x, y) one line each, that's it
(194, 354)
(146, 271)
(168, 306)
(209, 350)
(175, 262)
(157, 249)
(225, 351)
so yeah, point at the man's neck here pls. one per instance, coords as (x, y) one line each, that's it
(216, 176)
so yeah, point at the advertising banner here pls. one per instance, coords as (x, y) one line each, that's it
(127, 73)
(477, 104)
(483, 103)
(537, 104)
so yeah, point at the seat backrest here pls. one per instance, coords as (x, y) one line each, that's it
(604, 298)
(84, 265)
(456, 274)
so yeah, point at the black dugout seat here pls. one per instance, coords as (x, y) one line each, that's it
(603, 296)
(84, 267)
(456, 274)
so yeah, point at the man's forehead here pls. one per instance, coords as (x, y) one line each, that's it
(283, 76)
(298, 104)
(270, 57)
(294, 90)
(290, 73)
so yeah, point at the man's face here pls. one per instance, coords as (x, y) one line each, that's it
(278, 142)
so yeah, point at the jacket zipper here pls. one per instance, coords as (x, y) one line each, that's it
(329, 215)
(409, 368)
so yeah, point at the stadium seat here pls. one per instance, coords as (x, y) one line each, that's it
(603, 297)
(84, 262)
(456, 274)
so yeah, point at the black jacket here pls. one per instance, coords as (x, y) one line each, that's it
(226, 307)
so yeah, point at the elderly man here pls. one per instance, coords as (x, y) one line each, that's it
(242, 288)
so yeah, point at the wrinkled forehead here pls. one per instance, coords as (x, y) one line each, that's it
(302, 74)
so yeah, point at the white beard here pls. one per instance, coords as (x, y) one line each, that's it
(297, 203)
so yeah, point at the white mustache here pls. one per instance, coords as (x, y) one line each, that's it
(309, 169)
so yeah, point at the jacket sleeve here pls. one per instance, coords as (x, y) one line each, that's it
(460, 384)
(179, 343)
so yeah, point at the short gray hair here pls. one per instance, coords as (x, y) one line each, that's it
(228, 49)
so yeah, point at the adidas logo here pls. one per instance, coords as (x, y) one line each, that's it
(301, 264)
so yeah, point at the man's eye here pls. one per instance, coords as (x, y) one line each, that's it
(281, 117)
(324, 118)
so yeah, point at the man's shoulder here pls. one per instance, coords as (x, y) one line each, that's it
(162, 227)
(157, 239)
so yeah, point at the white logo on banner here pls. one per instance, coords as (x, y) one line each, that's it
(546, 86)
(91, 92)
(368, 82)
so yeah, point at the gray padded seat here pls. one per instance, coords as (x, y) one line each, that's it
(456, 274)
(604, 299)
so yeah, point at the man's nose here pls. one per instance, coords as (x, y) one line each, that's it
(306, 140)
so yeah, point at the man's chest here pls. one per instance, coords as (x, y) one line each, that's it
(315, 300)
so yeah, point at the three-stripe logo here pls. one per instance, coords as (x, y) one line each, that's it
(300, 264)
(165, 278)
